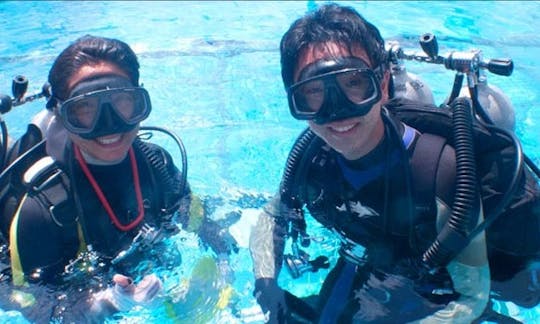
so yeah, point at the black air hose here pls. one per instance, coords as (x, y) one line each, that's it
(289, 182)
(292, 182)
(513, 184)
(5, 143)
(486, 119)
(454, 236)
(458, 81)
(169, 184)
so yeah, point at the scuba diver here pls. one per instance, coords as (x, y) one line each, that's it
(93, 187)
(354, 177)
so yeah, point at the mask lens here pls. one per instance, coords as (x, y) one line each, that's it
(81, 113)
(130, 104)
(309, 96)
(357, 85)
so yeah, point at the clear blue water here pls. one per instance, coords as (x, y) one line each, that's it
(212, 69)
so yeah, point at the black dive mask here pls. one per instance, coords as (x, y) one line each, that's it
(330, 90)
(104, 105)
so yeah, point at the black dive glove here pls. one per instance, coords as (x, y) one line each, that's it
(271, 298)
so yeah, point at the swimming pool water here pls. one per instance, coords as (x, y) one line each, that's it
(212, 70)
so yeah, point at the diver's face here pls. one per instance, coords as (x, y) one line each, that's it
(352, 137)
(110, 148)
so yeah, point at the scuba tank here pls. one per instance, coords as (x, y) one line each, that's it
(405, 84)
(496, 104)
(410, 86)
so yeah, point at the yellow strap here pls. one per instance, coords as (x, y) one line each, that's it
(196, 214)
(82, 242)
(16, 266)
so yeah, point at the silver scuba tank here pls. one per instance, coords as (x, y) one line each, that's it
(493, 100)
(495, 103)
(410, 86)
(406, 84)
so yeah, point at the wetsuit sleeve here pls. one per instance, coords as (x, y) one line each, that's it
(35, 241)
(191, 213)
(470, 269)
(267, 240)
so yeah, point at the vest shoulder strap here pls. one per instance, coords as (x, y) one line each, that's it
(424, 164)
(46, 182)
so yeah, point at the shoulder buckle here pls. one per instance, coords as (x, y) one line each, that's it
(41, 173)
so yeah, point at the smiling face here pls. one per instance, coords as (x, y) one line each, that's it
(352, 137)
(107, 149)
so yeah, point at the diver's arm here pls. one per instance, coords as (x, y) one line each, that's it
(266, 244)
(267, 241)
(191, 213)
(193, 218)
(122, 296)
(471, 279)
(470, 269)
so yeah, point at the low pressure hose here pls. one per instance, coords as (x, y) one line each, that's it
(292, 182)
(171, 187)
(4, 144)
(289, 186)
(454, 235)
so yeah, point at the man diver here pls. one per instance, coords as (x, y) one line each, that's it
(99, 188)
(357, 183)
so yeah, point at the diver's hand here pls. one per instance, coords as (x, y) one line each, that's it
(229, 241)
(271, 298)
(218, 237)
(125, 294)
(226, 273)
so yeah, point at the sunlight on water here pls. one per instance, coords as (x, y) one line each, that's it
(213, 72)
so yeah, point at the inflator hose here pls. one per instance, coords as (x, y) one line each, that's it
(454, 236)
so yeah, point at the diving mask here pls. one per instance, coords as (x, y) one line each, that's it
(330, 90)
(103, 106)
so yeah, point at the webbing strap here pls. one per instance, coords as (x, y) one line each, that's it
(17, 273)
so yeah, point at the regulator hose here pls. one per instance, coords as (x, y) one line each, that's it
(294, 169)
(454, 236)
(292, 183)
(456, 87)
(170, 186)
(5, 143)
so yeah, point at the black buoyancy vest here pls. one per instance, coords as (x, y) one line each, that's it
(509, 190)
(51, 186)
(386, 224)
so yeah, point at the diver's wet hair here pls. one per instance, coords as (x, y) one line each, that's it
(91, 50)
(329, 23)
